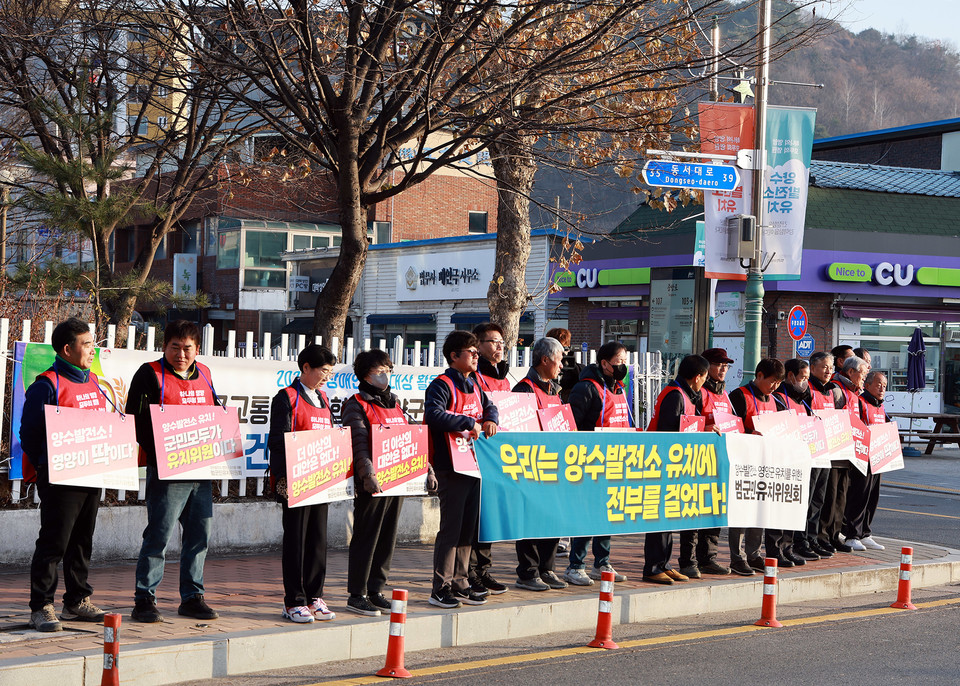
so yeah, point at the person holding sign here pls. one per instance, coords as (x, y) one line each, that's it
(679, 398)
(175, 379)
(824, 395)
(598, 401)
(302, 406)
(453, 404)
(749, 401)
(68, 514)
(536, 559)
(863, 493)
(374, 519)
(491, 374)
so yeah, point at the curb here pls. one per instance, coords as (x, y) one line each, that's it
(172, 662)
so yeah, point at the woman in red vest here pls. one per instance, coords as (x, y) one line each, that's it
(302, 406)
(374, 519)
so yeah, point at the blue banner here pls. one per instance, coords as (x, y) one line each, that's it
(550, 485)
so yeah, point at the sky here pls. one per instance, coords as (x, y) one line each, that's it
(933, 19)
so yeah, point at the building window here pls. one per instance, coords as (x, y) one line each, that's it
(228, 250)
(478, 222)
(162, 124)
(308, 242)
(264, 278)
(162, 249)
(263, 249)
(139, 126)
(382, 232)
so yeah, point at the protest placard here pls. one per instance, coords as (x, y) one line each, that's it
(401, 456)
(517, 411)
(91, 448)
(197, 442)
(319, 466)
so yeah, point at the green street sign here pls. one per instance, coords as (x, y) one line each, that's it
(850, 271)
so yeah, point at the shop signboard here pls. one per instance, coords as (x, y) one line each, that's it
(460, 275)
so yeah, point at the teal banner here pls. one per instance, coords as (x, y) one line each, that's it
(550, 485)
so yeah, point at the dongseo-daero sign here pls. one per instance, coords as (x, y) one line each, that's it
(893, 274)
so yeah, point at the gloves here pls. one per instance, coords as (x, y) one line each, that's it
(370, 484)
(280, 488)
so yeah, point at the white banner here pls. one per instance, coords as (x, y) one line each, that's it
(769, 482)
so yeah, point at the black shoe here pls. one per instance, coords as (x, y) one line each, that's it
(826, 547)
(195, 607)
(713, 567)
(491, 584)
(795, 559)
(842, 547)
(806, 552)
(444, 598)
(783, 562)
(145, 610)
(821, 551)
(742, 568)
(468, 597)
(757, 563)
(360, 605)
(477, 587)
(379, 601)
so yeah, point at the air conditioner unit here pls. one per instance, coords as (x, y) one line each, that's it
(953, 335)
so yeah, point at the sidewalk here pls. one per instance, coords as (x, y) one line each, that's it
(251, 635)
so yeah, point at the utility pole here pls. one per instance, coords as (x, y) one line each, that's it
(753, 295)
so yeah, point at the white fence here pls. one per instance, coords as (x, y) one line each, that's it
(647, 378)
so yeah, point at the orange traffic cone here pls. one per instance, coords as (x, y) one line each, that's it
(604, 637)
(111, 650)
(398, 617)
(768, 610)
(903, 586)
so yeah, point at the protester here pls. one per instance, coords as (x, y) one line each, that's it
(302, 406)
(864, 355)
(454, 403)
(681, 397)
(840, 354)
(68, 514)
(175, 379)
(824, 395)
(863, 492)
(536, 559)
(491, 374)
(699, 549)
(748, 402)
(598, 401)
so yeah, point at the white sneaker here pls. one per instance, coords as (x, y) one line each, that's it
(857, 546)
(595, 573)
(299, 615)
(871, 544)
(577, 577)
(321, 611)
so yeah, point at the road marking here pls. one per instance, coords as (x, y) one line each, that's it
(638, 643)
(922, 487)
(925, 514)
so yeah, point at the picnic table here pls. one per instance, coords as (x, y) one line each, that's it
(946, 428)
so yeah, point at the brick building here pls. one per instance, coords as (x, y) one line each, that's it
(931, 145)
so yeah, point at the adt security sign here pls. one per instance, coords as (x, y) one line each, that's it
(711, 177)
(805, 346)
(797, 322)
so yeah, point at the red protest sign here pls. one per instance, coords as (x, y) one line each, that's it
(401, 455)
(461, 454)
(518, 411)
(557, 418)
(319, 466)
(813, 433)
(778, 425)
(836, 424)
(861, 445)
(690, 423)
(196, 442)
(91, 448)
(725, 423)
(886, 453)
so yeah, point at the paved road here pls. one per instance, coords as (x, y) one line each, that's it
(922, 502)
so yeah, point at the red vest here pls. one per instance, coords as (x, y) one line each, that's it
(822, 401)
(755, 406)
(688, 407)
(380, 416)
(469, 404)
(790, 404)
(488, 383)
(176, 390)
(614, 412)
(853, 401)
(544, 400)
(715, 402)
(307, 417)
(874, 414)
(85, 396)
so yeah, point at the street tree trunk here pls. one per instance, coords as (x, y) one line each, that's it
(514, 167)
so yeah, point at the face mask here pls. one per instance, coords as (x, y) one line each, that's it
(619, 371)
(802, 386)
(380, 381)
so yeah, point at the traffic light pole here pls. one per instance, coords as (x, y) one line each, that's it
(753, 295)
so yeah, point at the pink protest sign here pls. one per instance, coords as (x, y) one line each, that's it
(91, 448)
(886, 453)
(319, 466)
(836, 424)
(197, 442)
(725, 423)
(461, 454)
(813, 433)
(401, 455)
(518, 411)
(861, 445)
(690, 423)
(778, 425)
(557, 418)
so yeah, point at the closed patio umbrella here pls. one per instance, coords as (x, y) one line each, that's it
(916, 375)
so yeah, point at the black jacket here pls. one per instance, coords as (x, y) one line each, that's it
(830, 388)
(356, 419)
(738, 399)
(569, 375)
(671, 408)
(485, 367)
(549, 387)
(867, 397)
(805, 398)
(586, 401)
(441, 421)
(714, 386)
(33, 422)
(281, 422)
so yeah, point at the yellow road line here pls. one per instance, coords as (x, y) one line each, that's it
(639, 643)
(923, 487)
(925, 514)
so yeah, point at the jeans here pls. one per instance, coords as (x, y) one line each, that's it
(578, 551)
(169, 502)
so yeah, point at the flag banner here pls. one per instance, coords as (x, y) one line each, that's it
(197, 442)
(518, 411)
(644, 482)
(886, 453)
(401, 456)
(91, 448)
(319, 466)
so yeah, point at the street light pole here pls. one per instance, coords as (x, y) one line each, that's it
(753, 295)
